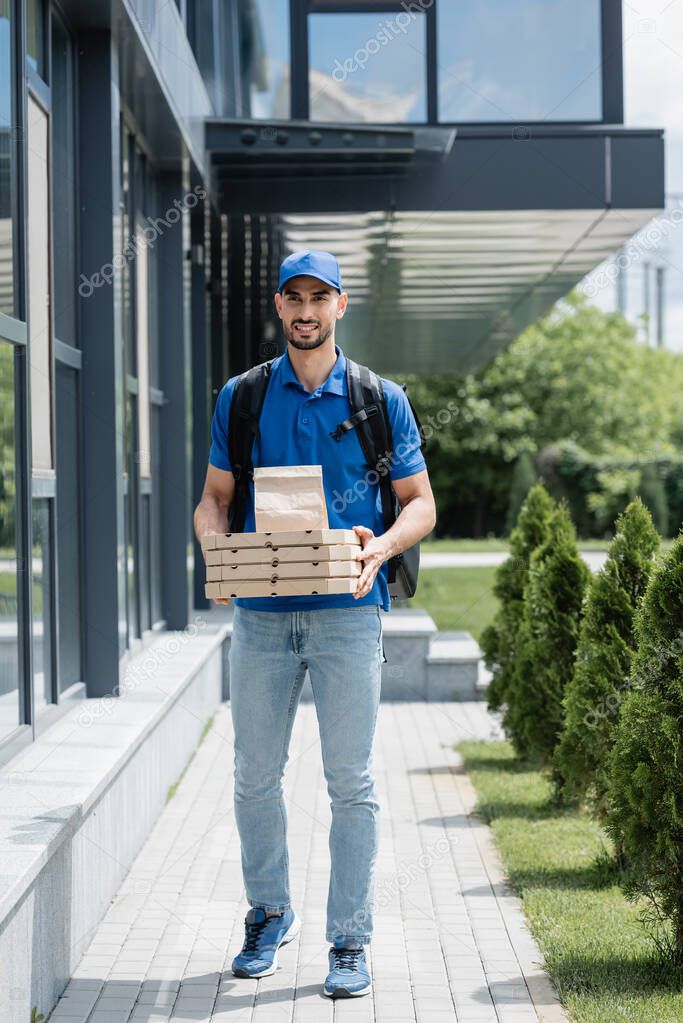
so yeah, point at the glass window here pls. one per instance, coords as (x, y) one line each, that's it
(9, 624)
(39, 286)
(126, 251)
(35, 36)
(64, 185)
(264, 58)
(131, 520)
(68, 527)
(142, 309)
(153, 283)
(155, 525)
(6, 160)
(367, 67)
(536, 61)
(42, 604)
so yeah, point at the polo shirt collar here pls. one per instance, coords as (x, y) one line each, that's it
(335, 382)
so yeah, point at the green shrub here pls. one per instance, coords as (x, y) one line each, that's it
(547, 640)
(499, 640)
(645, 810)
(603, 659)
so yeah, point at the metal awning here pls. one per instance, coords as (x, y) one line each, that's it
(253, 149)
(447, 252)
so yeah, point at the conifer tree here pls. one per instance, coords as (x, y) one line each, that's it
(603, 659)
(645, 811)
(499, 639)
(553, 607)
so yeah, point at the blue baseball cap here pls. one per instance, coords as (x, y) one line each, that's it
(314, 263)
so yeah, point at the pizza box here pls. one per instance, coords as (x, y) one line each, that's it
(281, 588)
(272, 556)
(287, 570)
(280, 538)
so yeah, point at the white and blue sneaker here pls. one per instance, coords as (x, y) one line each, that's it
(263, 936)
(349, 975)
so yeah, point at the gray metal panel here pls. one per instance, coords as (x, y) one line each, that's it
(637, 168)
(175, 419)
(159, 78)
(501, 168)
(102, 394)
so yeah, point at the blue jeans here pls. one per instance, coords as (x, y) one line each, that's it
(269, 653)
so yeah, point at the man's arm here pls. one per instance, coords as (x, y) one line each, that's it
(417, 519)
(211, 514)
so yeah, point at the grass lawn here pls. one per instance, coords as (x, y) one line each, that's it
(457, 598)
(599, 955)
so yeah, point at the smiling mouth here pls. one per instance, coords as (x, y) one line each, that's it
(306, 329)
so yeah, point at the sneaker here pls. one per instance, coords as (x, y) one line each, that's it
(263, 936)
(349, 975)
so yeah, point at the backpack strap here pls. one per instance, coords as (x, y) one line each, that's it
(371, 418)
(243, 427)
(374, 431)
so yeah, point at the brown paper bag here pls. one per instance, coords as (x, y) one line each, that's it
(289, 497)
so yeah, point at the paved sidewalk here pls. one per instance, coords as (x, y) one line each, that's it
(449, 943)
(491, 559)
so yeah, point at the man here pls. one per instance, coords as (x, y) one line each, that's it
(338, 637)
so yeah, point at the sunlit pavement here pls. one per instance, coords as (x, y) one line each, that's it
(449, 941)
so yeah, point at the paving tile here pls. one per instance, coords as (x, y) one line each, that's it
(447, 930)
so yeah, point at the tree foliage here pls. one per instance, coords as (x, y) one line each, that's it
(499, 640)
(551, 616)
(646, 763)
(578, 374)
(603, 659)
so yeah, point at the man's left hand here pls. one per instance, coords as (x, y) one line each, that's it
(373, 553)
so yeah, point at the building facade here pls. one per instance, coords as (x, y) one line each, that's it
(159, 158)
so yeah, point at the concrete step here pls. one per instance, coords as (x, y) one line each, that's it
(453, 664)
(422, 663)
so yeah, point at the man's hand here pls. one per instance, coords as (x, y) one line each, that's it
(373, 553)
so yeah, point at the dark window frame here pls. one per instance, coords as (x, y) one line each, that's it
(611, 57)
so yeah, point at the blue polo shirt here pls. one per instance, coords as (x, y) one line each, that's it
(295, 430)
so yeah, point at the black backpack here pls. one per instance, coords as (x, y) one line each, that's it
(369, 416)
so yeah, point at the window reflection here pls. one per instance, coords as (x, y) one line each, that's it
(509, 62)
(6, 155)
(264, 58)
(35, 36)
(63, 185)
(9, 632)
(367, 67)
(68, 527)
(42, 601)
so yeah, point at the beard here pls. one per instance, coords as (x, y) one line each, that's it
(324, 333)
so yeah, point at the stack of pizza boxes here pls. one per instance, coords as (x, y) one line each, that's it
(281, 563)
(293, 551)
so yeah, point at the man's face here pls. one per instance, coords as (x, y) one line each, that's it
(309, 310)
